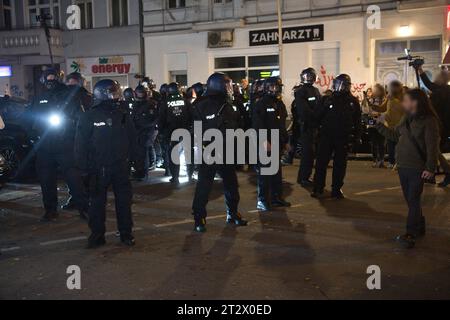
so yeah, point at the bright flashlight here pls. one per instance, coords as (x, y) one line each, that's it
(55, 120)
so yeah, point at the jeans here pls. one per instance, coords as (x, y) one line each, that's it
(412, 186)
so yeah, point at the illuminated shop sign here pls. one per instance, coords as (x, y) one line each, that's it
(290, 35)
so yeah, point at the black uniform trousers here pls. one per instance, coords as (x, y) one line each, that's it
(145, 141)
(116, 176)
(336, 148)
(205, 182)
(307, 139)
(269, 187)
(412, 186)
(47, 165)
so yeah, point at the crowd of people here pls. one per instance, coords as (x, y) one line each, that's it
(105, 138)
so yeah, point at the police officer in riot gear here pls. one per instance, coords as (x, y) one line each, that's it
(105, 144)
(79, 98)
(144, 113)
(55, 117)
(216, 112)
(174, 115)
(339, 118)
(161, 141)
(307, 98)
(128, 97)
(270, 114)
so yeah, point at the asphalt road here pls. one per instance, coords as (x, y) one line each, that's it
(313, 250)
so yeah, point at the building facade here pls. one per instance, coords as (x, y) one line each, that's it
(187, 40)
(107, 43)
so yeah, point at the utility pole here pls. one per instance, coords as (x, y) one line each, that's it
(280, 37)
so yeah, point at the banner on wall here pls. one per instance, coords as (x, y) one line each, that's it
(290, 35)
(104, 65)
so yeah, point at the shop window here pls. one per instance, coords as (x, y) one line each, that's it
(248, 67)
(230, 62)
(49, 8)
(179, 77)
(173, 4)
(259, 61)
(86, 13)
(425, 45)
(7, 15)
(391, 47)
(119, 9)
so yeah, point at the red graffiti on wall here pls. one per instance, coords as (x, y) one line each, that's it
(324, 82)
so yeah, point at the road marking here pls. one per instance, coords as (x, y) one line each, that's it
(393, 188)
(367, 192)
(9, 249)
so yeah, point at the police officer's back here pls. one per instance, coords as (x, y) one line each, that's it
(105, 144)
(270, 113)
(144, 113)
(339, 117)
(174, 114)
(215, 111)
(307, 98)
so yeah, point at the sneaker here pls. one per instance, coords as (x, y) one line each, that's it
(262, 206)
(236, 219)
(200, 225)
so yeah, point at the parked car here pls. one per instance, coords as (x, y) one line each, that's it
(16, 143)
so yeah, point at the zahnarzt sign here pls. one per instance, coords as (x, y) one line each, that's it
(290, 35)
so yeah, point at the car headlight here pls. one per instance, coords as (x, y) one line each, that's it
(55, 120)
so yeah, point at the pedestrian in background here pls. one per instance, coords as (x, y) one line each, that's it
(392, 114)
(417, 137)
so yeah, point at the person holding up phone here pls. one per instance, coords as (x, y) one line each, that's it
(417, 150)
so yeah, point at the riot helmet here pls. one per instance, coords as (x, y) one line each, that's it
(107, 90)
(273, 87)
(141, 93)
(342, 83)
(128, 94)
(173, 89)
(50, 78)
(219, 84)
(199, 89)
(308, 76)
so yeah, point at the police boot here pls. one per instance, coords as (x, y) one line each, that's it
(236, 219)
(337, 194)
(127, 239)
(445, 182)
(262, 206)
(175, 181)
(407, 241)
(49, 216)
(278, 203)
(96, 240)
(200, 225)
(317, 193)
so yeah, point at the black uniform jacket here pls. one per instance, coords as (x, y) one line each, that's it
(270, 113)
(339, 117)
(105, 137)
(144, 115)
(307, 98)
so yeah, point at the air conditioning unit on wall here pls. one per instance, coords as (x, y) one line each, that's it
(220, 39)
